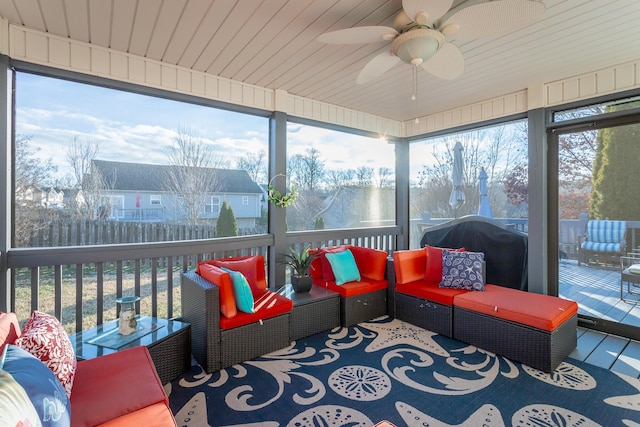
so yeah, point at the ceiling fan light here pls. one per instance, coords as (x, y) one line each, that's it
(417, 46)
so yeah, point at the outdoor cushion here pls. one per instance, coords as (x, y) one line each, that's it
(251, 266)
(350, 289)
(433, 271)
(462, 270)
(429, 291)
(222, 280)
(100, 391)
(44, 337)
(9, 329)
(539, 311)
(320, 266)
(267, 305)
(34, 387)
(634, 269)
(372, 263)
(409, 265)
(344, 267)
(601, 247)
(606, 231)
(241, 291)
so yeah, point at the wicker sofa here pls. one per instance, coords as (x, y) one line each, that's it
(537, 330)
(360, 300)
(220, 339)
(119, 389)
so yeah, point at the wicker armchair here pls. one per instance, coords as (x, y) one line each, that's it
(215, 346)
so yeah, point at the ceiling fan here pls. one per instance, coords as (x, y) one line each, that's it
(422, 33)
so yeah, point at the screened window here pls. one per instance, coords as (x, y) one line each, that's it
(342, 180)
(94, 145)
(494, 160)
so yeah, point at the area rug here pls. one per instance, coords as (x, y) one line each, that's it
(390, 370)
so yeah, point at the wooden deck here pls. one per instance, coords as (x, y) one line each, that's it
(597, 292)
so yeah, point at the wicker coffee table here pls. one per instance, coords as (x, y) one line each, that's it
(313, 312)
(168, 341)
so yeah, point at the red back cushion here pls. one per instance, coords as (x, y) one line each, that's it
(410, 265)
(9, 329)
(433, 271)
(251, 266)
(222, 280)
(325, 267)
(372, 263)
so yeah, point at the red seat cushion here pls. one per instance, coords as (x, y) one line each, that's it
(429, 291)
(222, 280)
(100, 391)
(536, 310)
(350, 289)
(267, 304)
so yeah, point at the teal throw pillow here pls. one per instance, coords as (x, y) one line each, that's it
(344, 267)
(241, 291)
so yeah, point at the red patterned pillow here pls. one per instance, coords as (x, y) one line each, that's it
(45, 338)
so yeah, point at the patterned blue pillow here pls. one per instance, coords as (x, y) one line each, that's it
(28, 385)
(241, 291)
(462, 270)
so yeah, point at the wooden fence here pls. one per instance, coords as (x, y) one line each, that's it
(100, 232)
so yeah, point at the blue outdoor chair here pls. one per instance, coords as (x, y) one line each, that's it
(604, 241)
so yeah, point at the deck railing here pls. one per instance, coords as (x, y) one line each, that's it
(80, 284)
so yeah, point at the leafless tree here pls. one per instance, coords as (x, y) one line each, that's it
(32, 174)
(364, 176)
(255, 165)
(80, 154)
(191, 177)
(383, 177)
(307, 171)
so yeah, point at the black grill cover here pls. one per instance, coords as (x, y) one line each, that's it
(505, 250)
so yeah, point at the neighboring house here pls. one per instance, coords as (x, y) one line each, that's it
(140, 192)
(48, 197)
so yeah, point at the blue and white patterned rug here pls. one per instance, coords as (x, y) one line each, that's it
(390, 370)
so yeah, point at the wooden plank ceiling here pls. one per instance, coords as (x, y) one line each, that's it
(272, 43)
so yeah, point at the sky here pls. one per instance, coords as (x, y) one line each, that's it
(138, 128)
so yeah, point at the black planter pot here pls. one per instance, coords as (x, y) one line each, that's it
(301, 284)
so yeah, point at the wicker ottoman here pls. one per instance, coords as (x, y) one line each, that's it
(426, 314)
(363, 307)
(533, 329)
(426, 305)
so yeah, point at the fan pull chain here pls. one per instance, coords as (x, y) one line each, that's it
(414, 97)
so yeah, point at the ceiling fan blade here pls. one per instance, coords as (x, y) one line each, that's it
(377, 66)
(359, 35)
(494, 17)
(447, 63)
(433, 9)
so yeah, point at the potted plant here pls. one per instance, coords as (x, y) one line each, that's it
(300, 262)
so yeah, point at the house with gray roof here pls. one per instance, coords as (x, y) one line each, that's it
(163, 193)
